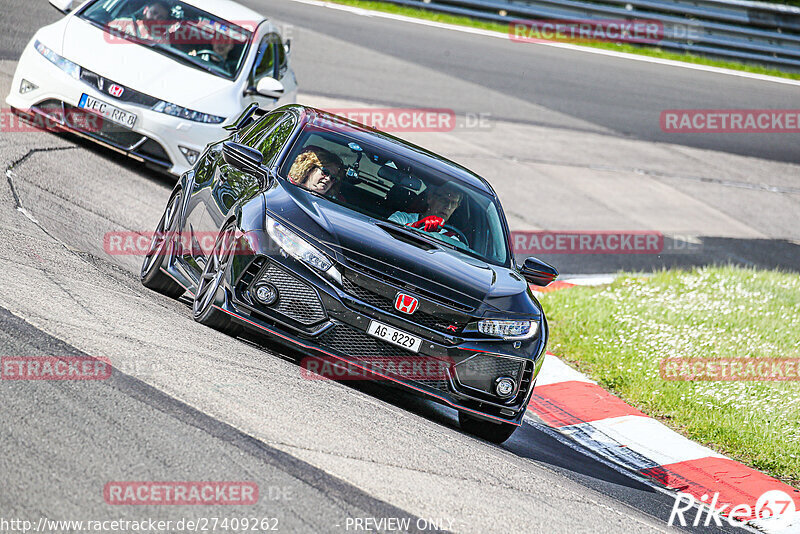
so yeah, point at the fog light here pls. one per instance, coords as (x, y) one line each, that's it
(190, 155)
(266, 294)
(504, 386)
(26, 87)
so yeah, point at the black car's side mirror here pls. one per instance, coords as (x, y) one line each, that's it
(538, 272)
(243, 157)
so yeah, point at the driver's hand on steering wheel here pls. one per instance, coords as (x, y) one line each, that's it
(429, 224)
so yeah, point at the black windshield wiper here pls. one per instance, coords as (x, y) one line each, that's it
(400, 232)
(397, 230)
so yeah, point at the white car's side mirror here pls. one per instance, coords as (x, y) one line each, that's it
(269, 87)
(65, 6)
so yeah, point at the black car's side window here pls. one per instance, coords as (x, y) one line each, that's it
(272, 143)
(253, 134)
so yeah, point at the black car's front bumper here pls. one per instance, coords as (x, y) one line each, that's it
(323, 319)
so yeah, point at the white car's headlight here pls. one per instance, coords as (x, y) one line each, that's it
(298, 248)
(509, 330)
(185, 113)
(73, 69)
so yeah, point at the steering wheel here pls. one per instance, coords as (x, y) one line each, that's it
(210, 52)
(459, 233)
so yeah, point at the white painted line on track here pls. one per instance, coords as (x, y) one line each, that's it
(590, 279)
(554, 370)
(610, 53)
(651, 439)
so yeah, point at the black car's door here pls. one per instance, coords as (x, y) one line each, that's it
(195, 232)
(199, 228)
(232, 186)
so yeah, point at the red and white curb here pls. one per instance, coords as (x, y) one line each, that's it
(576, 407)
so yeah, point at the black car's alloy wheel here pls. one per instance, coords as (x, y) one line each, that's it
(211, 281)
(151, 275)
(488, 430)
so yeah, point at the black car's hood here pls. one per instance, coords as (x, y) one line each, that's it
(358, 240)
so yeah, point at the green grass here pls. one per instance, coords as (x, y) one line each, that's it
(618, 47)
(618, 334)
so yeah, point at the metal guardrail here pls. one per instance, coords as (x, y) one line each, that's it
(753, 32)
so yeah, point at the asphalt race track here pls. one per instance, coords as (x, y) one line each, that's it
(570, 130)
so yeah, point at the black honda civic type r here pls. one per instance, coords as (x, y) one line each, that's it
(360, 250)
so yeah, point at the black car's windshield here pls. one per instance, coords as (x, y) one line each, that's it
(383, 185)
(179, 30)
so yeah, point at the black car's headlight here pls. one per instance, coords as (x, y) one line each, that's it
(300, 249)
(73, 69)
(168, 108)
(507, 329)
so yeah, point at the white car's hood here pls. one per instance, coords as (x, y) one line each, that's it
(136, 66)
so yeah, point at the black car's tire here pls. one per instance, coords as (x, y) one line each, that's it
(494, 432)
(210, 282)
(151, 275)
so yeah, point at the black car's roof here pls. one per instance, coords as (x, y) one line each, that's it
(389, 142)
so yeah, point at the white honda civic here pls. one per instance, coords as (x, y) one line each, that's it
(154, 79)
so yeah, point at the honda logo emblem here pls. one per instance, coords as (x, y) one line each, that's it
(115, 90)
(406, 303)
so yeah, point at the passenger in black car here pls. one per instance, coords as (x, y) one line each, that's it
(317, 169)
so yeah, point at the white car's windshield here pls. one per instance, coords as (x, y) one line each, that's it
(179, 30)
(386, 186)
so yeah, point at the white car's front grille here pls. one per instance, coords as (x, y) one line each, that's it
(128, 95)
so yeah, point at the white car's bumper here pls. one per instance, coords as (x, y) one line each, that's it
(155, 138)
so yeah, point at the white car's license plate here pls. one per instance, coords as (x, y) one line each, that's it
(395, 336)
(104, 109)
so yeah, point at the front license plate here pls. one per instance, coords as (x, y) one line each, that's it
(104, 109)
(394, 336)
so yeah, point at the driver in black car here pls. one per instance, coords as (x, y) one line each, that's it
(442, 202)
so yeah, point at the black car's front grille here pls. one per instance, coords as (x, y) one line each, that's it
(296, 299)
(387, 305)
(479, 372)
(381, 356)
(128, 95)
